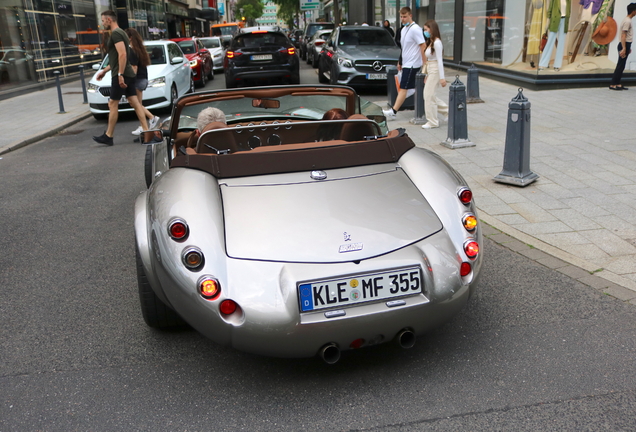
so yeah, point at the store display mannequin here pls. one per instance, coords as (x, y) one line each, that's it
(559, 17)
(534, 34)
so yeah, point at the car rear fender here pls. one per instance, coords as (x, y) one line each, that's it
(143, 243)
(440, 183)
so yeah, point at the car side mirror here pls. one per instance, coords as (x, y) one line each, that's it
(95, 66)
(176, 60)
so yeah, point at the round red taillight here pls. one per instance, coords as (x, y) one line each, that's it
(209, 287)
(465, 195)
(465, 269)
(472, 249)
(178, 229)
(228, 307)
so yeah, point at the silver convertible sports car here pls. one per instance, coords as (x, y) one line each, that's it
(282, 234)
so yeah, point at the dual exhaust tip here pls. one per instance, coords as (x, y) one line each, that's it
(330, 353)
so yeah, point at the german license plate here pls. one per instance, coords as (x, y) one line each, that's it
(123, 100)
(377, 76)
(262, 57)
(353, 290)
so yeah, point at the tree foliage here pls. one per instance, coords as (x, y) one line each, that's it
(252, 9)
(288, 10)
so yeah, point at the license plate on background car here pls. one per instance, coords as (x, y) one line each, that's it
(123, 100)
(353, 290)
(376, 76)
(262, 57)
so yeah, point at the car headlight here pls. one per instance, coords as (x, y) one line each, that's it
(345, 62)
(157, 82)
(193, 63)
(92, 88)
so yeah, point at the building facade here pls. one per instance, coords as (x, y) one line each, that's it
(41, 37)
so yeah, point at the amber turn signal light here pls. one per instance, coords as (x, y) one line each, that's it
(470, 222)
(209, 287)
(192, 258)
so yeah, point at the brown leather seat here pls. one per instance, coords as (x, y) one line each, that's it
(214, 141)
(356, 131)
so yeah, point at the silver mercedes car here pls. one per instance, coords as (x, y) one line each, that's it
(282, 234)
(357, 56)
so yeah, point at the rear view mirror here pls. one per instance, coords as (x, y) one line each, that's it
(265, 103)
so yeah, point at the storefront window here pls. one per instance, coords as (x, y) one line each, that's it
(445, 18)
(500, 33)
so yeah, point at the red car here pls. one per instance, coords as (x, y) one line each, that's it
(199, 57)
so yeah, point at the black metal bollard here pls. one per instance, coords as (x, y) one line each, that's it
(81, 68)
(419, 118)
(457, 117)
(59, 92)
(516, 169)
(472, 85)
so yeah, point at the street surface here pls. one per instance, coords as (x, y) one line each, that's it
(534, 350)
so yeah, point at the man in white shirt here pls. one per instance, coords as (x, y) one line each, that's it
(413, 45)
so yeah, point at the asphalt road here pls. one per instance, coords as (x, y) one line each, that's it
(535, 350)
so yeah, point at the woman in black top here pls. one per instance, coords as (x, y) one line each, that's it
(139, 60)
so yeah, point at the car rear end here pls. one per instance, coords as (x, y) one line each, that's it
(261, 57)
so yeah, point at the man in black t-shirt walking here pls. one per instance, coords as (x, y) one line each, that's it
(123, 77)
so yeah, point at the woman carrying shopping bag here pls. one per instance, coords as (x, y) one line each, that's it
(433, 105)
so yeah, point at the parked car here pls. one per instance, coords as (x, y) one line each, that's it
(315, 45)
(199, 57)
(263, 238)
(357, 56)
(214, 44)
(169, 77)
(16, 65)
(261, 57)
(309, 32)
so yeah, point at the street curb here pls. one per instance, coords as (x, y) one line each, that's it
(602, 280)
(42, 135)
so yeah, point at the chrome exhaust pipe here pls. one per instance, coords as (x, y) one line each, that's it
(329, 353)
(406, 338)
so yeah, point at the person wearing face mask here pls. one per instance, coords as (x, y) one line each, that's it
(434, 69)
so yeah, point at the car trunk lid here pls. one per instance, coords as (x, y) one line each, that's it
(346, 219)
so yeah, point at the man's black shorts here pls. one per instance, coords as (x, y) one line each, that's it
(408, 78)
(117, 92)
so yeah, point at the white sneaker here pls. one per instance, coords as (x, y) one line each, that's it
(153, 123)
(137, 131)
(428, 126)
(389, 114)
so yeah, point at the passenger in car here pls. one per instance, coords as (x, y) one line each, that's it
(206, 118)
(327, 132)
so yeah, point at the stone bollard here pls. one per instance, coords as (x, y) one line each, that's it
(59, 92)
(419, 100)
(457, 118)
(81, 69)
(516, 168)
(472, 85)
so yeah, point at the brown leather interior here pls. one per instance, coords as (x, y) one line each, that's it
(211, 141)
(296, 157)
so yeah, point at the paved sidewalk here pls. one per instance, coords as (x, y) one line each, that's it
(575, 218)
(33, 116)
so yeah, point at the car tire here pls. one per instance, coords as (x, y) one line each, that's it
(202, 80)
(303, 54)
(192, 88)
(148, 165)
(314, 62)
(174, 95)
(155, 312)
(333, 80)
(322, 79)
(211, 74)
(308, 59)
(100, 116)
